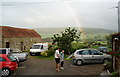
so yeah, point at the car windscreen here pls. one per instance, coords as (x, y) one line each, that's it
(2, 51)
(36, 46)
(15, 50)
(12, 58)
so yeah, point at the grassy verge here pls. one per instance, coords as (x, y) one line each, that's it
(26, 51)
(50, 58)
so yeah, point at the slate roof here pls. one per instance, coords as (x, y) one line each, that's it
(17, 32)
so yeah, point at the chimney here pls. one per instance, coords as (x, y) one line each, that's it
(119, 16)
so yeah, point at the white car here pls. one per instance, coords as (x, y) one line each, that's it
(90, 56)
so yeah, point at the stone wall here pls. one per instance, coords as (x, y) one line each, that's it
(21, 43)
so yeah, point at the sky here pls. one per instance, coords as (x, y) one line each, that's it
(59, 13)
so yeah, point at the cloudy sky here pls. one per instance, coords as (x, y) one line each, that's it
(59, 13)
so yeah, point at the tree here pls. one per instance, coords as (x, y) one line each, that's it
(89, 41)
(109, 41)
(65, 39)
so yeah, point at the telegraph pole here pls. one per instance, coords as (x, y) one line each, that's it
(118, 7)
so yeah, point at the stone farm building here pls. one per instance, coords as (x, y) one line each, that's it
(18, 38)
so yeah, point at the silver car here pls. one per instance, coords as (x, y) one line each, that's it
(90, 56)
(16, 53)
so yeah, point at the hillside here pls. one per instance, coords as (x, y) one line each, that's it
(90, 32)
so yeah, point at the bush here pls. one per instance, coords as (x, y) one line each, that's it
(48, 53)
(115, 74)
(44, 54)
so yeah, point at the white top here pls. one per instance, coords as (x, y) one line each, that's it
(57, 53)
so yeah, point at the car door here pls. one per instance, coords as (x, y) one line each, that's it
(2, 62)
(86, 55)
(96, 56)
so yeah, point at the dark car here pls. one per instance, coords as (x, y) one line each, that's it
(103, 49)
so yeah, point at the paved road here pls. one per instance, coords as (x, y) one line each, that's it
(35, 66)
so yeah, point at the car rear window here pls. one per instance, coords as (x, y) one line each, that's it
(2, 51)
(12, 58)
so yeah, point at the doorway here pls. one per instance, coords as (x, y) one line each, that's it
(21, 46)
(7, 44)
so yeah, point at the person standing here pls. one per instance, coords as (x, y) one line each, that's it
(57, 59)
(62, 59)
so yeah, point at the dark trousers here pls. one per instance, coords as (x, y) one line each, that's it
(62, 63)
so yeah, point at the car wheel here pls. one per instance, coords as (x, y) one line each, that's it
(5, 72)
(37, 54)
(106, 60)
(31, 54)
(79, 62)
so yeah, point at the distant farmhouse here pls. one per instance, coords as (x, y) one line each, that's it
(18, 38)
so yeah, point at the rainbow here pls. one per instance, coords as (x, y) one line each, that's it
(75, 17)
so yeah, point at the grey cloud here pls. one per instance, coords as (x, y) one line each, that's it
(56, 14)
(21, 3)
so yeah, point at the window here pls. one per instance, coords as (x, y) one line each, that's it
(12, 58)
(2, 51)
(84, 52)
(42, 47)
(24, 47)
(13, 51)
(7, 44)
(2, 59)
(95, 52)
(102, 49)
(36, 46)
(21, 46)
(79, 52)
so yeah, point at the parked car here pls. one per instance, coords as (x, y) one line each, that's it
(18, 54)
(37, 48)
(103, 49)
(90, 56)
(8, 64)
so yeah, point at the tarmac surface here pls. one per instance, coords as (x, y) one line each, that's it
(36, 66)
